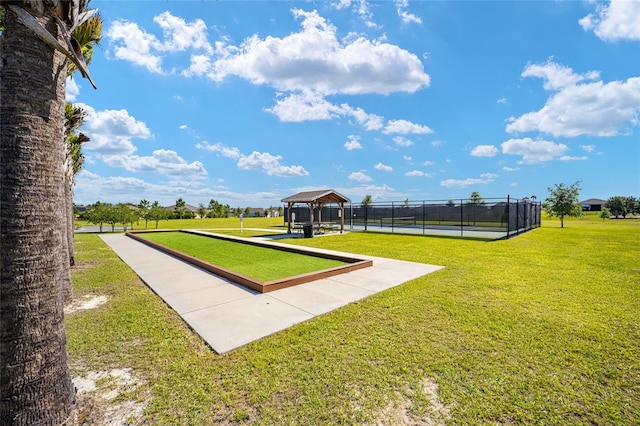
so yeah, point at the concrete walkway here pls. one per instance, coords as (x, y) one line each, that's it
(227, 315)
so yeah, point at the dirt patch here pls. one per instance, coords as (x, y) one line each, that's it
(399, 411)
(89, 301)
(100, 402)
(79, 266)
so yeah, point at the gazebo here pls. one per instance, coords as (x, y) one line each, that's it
(317, 199)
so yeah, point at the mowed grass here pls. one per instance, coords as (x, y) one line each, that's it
(264, 264)
(543, 328)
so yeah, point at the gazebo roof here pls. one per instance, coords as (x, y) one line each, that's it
(320, 196)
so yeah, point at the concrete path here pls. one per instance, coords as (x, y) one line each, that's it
(227, 315)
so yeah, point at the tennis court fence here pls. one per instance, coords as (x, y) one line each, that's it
(492, 218)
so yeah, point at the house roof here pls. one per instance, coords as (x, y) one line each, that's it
(592, 201)
(320, 196)
(187, 207)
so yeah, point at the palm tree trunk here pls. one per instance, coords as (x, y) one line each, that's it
(35, 383)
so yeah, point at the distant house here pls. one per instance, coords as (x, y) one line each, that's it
(193, 210)
(592, 205)
(255, 212)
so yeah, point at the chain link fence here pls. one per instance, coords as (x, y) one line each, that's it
(492, 218)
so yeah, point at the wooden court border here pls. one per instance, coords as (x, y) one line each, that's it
(353, 263)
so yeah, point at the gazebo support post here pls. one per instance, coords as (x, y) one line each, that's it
(320, 205)
(289, 206)
(311, 214)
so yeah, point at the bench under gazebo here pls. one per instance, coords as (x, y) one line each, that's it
(317, 199)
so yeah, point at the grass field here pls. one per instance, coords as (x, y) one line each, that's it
(543, 328)
(261, 263)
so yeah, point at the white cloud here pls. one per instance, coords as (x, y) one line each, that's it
(341, 4)
(311, 106)
(489, 176)
(556, 76)
(353, 143)
(510, 169)
(484, 151)
(112, 131)
(369, 121)
(180, 35)
(314, 59)
(383, 167)
(133, 44)
(71, 90)
(502, 101)
(594, 108)
(417, 173)
(407, 158)
(359, 7)
(270, 164)
(428, 163)
(226, 151)
(264, 161)
(405, 127)
(305, 106)
(407, 18)
(620, 20)
(457, 183)
(360, 177)
(588, 148)
(162, 161)
(533, 151)
(570, 158)
(183, 127)
(401, 141)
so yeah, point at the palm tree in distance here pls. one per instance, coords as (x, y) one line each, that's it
(180, 204)
(35, 44)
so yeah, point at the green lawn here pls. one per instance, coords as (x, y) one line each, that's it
(264, 264)
(543, 328)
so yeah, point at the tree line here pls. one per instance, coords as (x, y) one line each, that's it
(126, 214)
(622, 206)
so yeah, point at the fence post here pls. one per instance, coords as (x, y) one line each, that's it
(461, 218)
(393, 215)
(508, 218)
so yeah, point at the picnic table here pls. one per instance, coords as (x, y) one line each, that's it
(319, 227)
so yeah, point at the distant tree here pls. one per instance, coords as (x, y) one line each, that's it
(112, 216)
(280, 210)
(366, 201)
(605, 213)
(97, 214)
(617, 205)
(217, 209)
(246, 211)
(202, 211)
(126, 214)
(476, 199)
(451, 203)
(563, 201)
(180, 207)
(157, 213)
(632, 204)
(143, 212)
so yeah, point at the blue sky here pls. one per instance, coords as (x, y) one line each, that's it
(247, 102)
